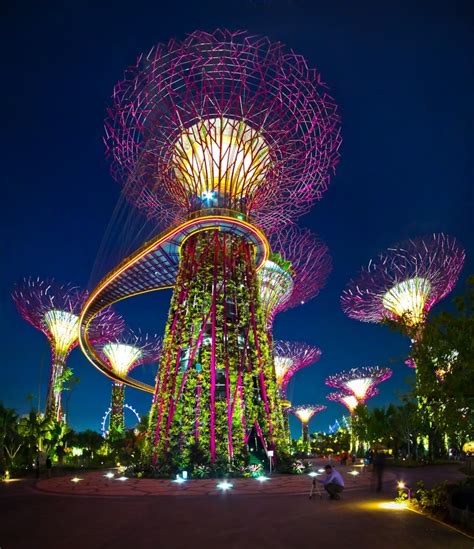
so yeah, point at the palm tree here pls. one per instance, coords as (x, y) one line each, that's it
(36, 429)
(10, 442)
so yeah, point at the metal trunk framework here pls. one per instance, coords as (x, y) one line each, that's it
(216, 380)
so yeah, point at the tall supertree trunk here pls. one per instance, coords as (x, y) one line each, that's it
(305, 433)
(216, 380)
(117, 420)
(54, 396)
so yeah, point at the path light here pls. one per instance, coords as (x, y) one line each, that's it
(262, 479)
(76, 479)
(122, 478)
(179, 480)
(314, 474)
(353, 473)
(109, 475)
(224, 485)
(403, 487)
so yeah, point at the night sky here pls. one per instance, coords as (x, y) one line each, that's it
(402, 74)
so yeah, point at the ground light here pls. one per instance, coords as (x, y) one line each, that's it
(392, 505)
(122, 478)
(179, 480)
(76, 479)
(353, 473)
(383, 505)
(314, 474)
(109, 475)
(224, 485)
(262, 479)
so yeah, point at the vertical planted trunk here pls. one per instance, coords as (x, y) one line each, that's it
(216, 380)
(117, 419)
(54, 396)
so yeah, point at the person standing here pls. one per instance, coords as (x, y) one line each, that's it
(333, 483)
(49, 465)
(379, 466)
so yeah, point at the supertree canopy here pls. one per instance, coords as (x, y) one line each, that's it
(350, 401)
(291, 356)
(295, 272)
(221, 136)
(359, 382)
(54, 309)
(304, 413)
(222, 120)
(122, 355)
(404, 282)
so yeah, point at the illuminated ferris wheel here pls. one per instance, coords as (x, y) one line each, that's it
(103, 426)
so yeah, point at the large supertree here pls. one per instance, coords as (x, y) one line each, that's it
(122, 355)
(295, 272)
(226, 135)
(54, 309)
(304, 412)
(404, 282)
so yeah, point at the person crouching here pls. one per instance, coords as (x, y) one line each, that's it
(333, 483)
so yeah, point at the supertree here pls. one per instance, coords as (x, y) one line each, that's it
(350, 401)
(357, 386)
(304, 413)
(404, 282)
(54, 309)
(291, 356)
(295, 272)
(223, 135)
(359, 382)
(122, 355)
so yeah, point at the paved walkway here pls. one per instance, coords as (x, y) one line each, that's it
(99, 484)
(30, 518)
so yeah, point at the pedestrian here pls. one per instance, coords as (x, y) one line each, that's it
(379, 466)
(333, 483)
(49, 465)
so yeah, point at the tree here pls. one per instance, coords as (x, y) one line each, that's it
(444, 357)
(10, 441)
(36, 430)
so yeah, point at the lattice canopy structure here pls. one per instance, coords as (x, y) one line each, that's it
(350, 401)
(360, 382)
(291, 356)
(404, 282)
(122, 355)
(54, 309)
(222, 120)
(295, 272)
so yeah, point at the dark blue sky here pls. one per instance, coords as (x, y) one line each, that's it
(402, 74)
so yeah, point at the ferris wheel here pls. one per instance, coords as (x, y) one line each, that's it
(103, 425)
